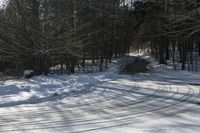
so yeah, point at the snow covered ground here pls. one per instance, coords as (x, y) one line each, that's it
(161, 101)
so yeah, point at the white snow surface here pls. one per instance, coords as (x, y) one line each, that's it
(162, 101)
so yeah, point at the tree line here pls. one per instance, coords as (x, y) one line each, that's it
(39, 34)
(169, 29)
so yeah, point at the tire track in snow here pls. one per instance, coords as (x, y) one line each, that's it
(137, 116)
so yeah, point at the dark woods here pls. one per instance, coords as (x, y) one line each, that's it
(170, 30)
(41, 34)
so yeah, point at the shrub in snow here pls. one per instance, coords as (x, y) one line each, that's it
(28, 74)
(138, 66)
(56, 94)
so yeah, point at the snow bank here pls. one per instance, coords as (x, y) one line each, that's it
(25, 91)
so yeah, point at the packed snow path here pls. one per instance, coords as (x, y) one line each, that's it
(161, 102)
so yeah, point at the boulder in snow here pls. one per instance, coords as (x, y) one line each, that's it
(28, 74)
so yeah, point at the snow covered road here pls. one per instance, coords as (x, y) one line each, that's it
(161, 101)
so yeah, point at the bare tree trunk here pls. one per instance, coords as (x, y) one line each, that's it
(173, 55)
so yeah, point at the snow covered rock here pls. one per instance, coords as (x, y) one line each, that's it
(28, 74)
